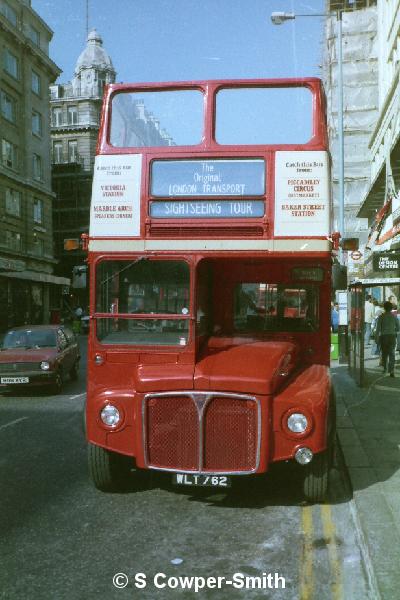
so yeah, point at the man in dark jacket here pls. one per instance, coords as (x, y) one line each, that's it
(387, 328)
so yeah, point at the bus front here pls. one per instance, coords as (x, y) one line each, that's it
(210, 277)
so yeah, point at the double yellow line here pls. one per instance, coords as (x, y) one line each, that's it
(307, 576)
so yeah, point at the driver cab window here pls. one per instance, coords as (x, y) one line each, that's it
(276, 307)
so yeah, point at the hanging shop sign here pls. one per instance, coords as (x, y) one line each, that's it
(386, 261)
(356, 255)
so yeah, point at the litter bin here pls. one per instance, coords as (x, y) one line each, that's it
(334, 346)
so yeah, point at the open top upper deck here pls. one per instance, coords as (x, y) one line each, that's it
(220, 165)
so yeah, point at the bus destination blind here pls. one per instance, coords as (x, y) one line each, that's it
(207, 178)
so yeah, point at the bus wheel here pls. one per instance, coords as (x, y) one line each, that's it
(316, 478)
(110, 472)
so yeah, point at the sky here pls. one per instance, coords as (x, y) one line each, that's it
(187, 40)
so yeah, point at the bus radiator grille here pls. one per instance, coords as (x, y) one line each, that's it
(172, 433)
(230, 435)
(201, 432)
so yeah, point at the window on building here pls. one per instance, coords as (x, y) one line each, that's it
(37, 170)
(13, 240)
(72, 151)
(36, 123)
(38, 210)
(8, 12)
(34, 35)
(13, 202)
(36, 84)
(55, 92)
(11, 64)
(56, 117)
(57, 152)
(8, 107)
(38, 246)
(101, 84)
(9, 154)
(72, 113)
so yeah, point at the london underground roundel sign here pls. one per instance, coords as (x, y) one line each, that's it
(356, 255)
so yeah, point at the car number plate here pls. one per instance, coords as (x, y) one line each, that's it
(15, 380)
(201, 480)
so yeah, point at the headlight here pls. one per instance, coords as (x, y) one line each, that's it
(44, 365)
(98, 359)
(304, 456)
(110, 415)
(297, 423)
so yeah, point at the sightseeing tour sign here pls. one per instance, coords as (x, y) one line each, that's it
(212, 209)
(302, 196)
(237, 179)
(115, 207)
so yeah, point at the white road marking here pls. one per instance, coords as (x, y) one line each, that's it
(11, 423)
(77, 396)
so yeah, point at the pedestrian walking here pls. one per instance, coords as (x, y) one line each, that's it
(387, 329)
(334, 317)
(369, 310)
(378, 310)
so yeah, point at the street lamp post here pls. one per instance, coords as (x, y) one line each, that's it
(278, 18)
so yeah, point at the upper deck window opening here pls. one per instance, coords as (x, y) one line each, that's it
(157, 118)
(264, 115)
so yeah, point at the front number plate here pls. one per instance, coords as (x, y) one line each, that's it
(15, 380)
(201, 480)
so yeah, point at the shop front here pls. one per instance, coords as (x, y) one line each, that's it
(29, 297)
(364, 360)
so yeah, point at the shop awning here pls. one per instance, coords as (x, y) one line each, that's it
(35, 276)
(377, 281)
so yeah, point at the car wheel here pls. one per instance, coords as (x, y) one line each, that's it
(109, 471)
(74, 371)
(58, 382)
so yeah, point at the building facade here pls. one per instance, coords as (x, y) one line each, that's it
(381, 202)
(29, 290)
(75, 122)
(360, 107)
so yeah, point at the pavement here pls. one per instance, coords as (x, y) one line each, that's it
(368, 425)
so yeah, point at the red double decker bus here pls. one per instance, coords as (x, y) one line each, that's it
(210, 275)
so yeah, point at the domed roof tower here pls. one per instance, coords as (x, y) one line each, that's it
(93, 68)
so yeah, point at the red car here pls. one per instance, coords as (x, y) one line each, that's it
(38, 355)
